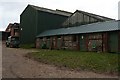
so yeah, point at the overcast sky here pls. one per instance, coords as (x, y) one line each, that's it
(10, 10)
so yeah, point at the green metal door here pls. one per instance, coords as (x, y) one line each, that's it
(41, 43)
(58, 43)
(113, 42)
(82, 43)
(48, 43)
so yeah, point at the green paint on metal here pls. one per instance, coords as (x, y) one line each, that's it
(41, 43)
(48, 21)
(28, 25)
(48, 43)
(34, 22)
(59, 43)
(82, 43)
(113, 42)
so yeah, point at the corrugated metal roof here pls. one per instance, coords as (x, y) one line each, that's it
(89, 28)
(60, 12)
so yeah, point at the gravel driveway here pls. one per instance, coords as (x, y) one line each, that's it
(15, 65)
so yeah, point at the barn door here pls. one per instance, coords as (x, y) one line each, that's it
(113, 42)
(48, 43)
(82, 43)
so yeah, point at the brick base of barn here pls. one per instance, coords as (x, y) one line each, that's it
(83, 42)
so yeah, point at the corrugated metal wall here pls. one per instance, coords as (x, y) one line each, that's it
(59, 43)
(34, 22)
(78, 19)
(28, 25)
(113, 42)
(83, 43)
(46, 21)
(119, 41)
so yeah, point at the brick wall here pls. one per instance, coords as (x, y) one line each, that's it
(37, 43)
(105, 42)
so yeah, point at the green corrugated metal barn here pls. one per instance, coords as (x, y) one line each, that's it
(35, 20)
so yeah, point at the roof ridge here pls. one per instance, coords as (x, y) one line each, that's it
(60, 12)
(94, 14)
(41, 7)
(63, 11)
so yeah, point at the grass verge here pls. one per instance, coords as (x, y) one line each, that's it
(27, 46)
(97, 62)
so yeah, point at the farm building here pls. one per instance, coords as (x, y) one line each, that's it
(81, 18)
(99, 36)
(35, 20)
(13, 29)
(57, 29)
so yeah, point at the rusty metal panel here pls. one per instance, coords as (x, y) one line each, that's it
(95, 42)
